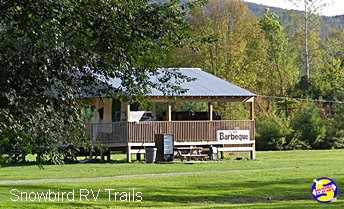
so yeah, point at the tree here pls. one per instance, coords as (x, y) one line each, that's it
(335, 128)
(50, 52)
(311, 20)
(278, 53)
(329, 86)
(309, 128)
(229, 45)
(335, 44)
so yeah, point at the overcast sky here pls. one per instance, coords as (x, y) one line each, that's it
(335, 8)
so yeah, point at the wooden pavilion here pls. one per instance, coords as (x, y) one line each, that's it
(134, 137)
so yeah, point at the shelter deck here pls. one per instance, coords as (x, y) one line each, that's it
(135, 137)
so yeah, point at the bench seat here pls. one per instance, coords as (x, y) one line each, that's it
(195, 157)
(234, 149)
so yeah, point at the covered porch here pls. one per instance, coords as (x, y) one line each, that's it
(135, 137)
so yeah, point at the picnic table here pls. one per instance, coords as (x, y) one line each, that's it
(189, 153)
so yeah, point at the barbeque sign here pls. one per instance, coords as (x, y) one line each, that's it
(233, 136)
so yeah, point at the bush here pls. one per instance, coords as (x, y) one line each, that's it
(272, 132)
(4, 159)
(309, 128)
(335, 128)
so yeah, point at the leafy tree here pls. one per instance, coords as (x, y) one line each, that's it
(233, 110)
(335, 44)
(191, 106)
(329, 85)
(87, 114)
(50, 52)
(229, 44)
(316, 56)
(335, 127)
(310, 22)
(279, 60)
(309, 128)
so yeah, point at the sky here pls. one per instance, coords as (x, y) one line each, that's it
(335, 7)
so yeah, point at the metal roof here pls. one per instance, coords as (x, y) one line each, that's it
(204, 85)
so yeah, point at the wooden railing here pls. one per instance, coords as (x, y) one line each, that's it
(184, 131)
(107, 132)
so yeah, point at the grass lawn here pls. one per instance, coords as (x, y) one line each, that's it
(274, 180)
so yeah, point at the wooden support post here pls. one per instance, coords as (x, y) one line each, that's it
(168, 112)
(128, 111)
(252, 111)
(101, 156)
(253, 152)
(138, 156)
(108, 156)
(129, 154)
(210, 111)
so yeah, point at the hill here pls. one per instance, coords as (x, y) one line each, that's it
(329, 23)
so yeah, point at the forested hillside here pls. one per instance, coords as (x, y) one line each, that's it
(258, 10)
(327, 23)
(296, 70)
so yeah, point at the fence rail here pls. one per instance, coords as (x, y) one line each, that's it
(184, 131)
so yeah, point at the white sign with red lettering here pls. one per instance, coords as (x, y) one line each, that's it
(233, 136)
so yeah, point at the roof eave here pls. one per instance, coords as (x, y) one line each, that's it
(202, 98)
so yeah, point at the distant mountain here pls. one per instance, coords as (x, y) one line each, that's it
(329, 23)
(258, 10)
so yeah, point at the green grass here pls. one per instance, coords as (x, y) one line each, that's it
(286, 177)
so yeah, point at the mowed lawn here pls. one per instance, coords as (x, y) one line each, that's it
(275, 180)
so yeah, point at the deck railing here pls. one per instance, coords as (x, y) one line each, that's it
(184, 131)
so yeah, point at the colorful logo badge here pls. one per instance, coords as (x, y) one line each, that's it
(324, 190)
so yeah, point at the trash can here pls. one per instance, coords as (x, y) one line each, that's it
(150, 155)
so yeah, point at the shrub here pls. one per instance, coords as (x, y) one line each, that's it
(271, 132)
(308, 128)
(335, 128)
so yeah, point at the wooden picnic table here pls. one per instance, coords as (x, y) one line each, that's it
(190, 152)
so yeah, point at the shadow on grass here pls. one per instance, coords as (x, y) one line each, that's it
(239, 192)
(95, 161)
(69, 162)
(270, 194)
